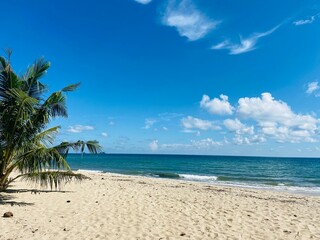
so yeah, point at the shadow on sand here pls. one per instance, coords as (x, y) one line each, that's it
(7, 199)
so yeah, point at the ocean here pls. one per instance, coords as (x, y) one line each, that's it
(296, 175)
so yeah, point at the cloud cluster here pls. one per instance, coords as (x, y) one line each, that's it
(238, 127)
(272, 118)
(276, 119)
(187, 19)
(248, 140)
(217, 106)
(79, 128)
(263, 108)
(253, 120)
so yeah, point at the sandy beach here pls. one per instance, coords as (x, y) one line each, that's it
(111, 206)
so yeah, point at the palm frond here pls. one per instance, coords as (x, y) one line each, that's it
(35, 88)
(70, 88)
(3, 64)
(23, 100)
(37, 70)
(56, 105)
(47, 136)
(92, 146)
(8, 80)
(31, 85)
(40, 158)
(16, 124)
(53, 179)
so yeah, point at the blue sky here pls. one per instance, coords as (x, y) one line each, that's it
(178, 76)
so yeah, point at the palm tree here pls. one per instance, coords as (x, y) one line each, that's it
(26, 144)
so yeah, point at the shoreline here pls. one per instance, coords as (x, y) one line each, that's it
(296, 190)
(116, 206)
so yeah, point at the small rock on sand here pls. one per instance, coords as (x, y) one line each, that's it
(8, 214)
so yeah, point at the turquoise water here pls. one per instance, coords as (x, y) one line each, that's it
(301, 175)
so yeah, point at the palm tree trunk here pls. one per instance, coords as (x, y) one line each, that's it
(4, 183)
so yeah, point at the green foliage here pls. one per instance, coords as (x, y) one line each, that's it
(26, 144)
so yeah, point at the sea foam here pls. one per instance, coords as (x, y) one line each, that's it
(200, 178)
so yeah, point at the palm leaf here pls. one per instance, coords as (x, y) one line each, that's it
(56, 105)
(70, 88)
(47, 136)
(53, 179)
(31, 84)
(40, 158)
(92, 146)
(3, 64)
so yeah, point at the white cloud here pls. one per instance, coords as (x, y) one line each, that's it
(217, 106)
(204, 144)
(148, 123)
(268, 118)
(222, 45)
(244, 135)
(104, 134)
(257, 139)
(238, 127)
(308, 20)
(79, 128)
(143, 1)
(276, 119)
(187, 19)
(241, 140)
(196, 123)
(264, 109)
(245, 44)
(154, 145)
(312, 87)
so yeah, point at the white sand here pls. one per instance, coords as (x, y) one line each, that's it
(127, 207)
